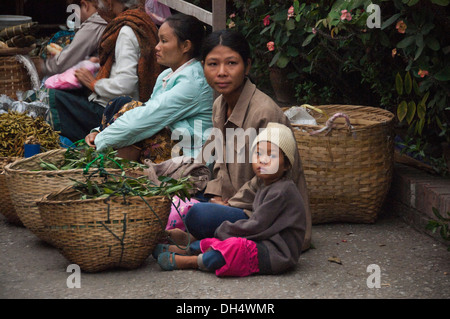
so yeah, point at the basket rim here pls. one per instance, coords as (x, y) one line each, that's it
(10, 168)
(47, 199)
(365, 124)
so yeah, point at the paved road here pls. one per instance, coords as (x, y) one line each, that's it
(411, 265)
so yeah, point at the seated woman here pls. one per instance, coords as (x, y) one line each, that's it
(181, 101)
(241, 106)
(127, 67)
(85, 42)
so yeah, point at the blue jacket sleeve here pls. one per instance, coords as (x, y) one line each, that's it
(161, 110)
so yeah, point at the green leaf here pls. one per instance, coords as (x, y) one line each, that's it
(402, 109)
(290, 24)
(274, 59)
(419, 126)
(425, 98)
(443, 75)
(432, 43)
(410, 112)
(420, 45)
(389, 21)
(412, 2)
(408, 83)
(416, 87)
(399, 84)
(283, 61)
(406, 42)
(308, 39)
(421, 110)
(441, 2)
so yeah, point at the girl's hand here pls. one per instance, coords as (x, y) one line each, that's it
(90, 138)
(219, 200)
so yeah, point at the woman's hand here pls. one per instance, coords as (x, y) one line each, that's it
(85, 77)
(219, 200)
(90, 138)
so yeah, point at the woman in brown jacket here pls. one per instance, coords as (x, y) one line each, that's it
(239, 113)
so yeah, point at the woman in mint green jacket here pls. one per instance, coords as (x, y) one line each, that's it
(179, 109)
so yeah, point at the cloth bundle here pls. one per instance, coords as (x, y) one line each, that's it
(67, 80)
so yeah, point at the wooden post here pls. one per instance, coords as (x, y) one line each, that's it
(219, 14)
(217, 18)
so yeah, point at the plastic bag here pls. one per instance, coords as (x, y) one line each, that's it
(5, 103)
(37, 108)
(299, 115)
(67, 80)
(157, 11)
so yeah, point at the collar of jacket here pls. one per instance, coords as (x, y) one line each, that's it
(239, 113)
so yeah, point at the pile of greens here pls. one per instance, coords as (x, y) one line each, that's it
(82, 156)
(121, 185)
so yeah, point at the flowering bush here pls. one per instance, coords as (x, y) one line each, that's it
(334, 55)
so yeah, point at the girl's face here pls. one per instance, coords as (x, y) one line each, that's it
(268, 162)
(169, 52)
(225, 71)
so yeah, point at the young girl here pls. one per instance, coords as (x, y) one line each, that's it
(241, 106)
(270, 241)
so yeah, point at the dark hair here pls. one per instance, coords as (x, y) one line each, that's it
(235, 40)
(187, 27)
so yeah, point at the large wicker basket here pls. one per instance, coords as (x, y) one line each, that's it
(7, 208)
(27, 183)
(98, 234)
(348, 171)
(13, 75)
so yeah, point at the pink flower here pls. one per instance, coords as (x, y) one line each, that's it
(290, 12)
(314, 31)
(422, 73)
(401, 26)
(266, 20)
(345, 15)
(270, 45)
(233, 15)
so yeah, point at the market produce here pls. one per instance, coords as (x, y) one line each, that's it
(82, 156)
(21, 41)
(54, 49)
(21, 29)
(141, 186)
(16, 127)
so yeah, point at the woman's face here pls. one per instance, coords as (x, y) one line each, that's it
(225, 70)
(169, 52)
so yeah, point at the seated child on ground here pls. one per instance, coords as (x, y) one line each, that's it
(270, 241)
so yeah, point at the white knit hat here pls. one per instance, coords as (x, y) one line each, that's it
(280, 135)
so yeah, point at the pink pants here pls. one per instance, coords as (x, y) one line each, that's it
(240, 254)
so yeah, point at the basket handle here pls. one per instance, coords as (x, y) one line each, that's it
(329, 125)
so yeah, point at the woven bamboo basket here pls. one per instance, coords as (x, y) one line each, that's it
(13, 74)
(99, 234)
(27, 183)
(348, 171)
(7, 208)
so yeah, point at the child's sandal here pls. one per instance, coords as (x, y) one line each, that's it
(165, 263)
(160, 248)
